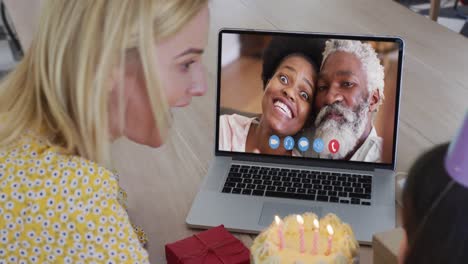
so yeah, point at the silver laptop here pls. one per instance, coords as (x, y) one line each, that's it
(305, 122)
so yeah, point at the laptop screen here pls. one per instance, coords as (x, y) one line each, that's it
(308, 96)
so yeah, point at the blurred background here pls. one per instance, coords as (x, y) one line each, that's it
(452, 14)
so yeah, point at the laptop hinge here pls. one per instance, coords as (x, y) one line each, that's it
(308, 163)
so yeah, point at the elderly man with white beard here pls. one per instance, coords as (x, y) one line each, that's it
(349, 93)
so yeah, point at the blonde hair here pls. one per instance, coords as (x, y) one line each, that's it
(62, 83)
(369, 60)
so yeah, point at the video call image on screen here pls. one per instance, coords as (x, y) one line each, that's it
(308, 97)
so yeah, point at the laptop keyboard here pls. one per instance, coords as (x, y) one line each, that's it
(310, 185)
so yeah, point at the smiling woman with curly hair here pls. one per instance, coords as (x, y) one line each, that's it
(289, 74)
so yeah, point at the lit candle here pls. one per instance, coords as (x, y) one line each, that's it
(279, 224)
(316, 235)
(300, 220)
(330, 237)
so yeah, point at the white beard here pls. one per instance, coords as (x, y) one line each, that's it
(347, 132)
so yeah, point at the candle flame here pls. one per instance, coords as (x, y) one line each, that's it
(300, 220)
(277, 220)
(330, 230)
(316, 223)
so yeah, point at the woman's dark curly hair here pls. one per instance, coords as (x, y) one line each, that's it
(280, 47)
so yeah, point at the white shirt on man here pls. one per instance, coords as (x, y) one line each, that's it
(370, 150)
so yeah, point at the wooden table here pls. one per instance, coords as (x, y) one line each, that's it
(161, 183)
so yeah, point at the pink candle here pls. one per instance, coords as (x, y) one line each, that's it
(279, 224)
(300, 220)
(316, 236)
(330, 238)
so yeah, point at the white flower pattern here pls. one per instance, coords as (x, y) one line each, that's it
(61, 208)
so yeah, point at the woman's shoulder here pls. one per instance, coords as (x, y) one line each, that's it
(32, 156)
(233, 131)
(236, 120)
(65, 194)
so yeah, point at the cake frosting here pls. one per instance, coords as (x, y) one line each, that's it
(344, 250)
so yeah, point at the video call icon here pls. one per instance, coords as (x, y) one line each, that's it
(274, 142)
(303, 144)
(334, 146)
(318, 145)
(289, 143)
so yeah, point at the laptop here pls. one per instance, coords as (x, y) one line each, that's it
(272, 156)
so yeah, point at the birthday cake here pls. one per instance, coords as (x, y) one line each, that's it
(306, 239)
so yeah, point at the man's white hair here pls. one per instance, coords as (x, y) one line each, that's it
(369, 60)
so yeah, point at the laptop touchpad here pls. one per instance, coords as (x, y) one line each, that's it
(270, 209)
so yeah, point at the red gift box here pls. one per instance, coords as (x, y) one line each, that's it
(213, 246)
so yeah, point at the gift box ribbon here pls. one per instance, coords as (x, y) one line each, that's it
(211, 249)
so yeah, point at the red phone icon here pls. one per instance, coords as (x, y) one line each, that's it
(334, 146)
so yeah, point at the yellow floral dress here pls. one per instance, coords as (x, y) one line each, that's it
(57, 208)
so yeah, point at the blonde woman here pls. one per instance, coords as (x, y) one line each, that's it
(95, 71)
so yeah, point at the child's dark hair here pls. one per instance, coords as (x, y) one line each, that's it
(440, 234)
(280, 47)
